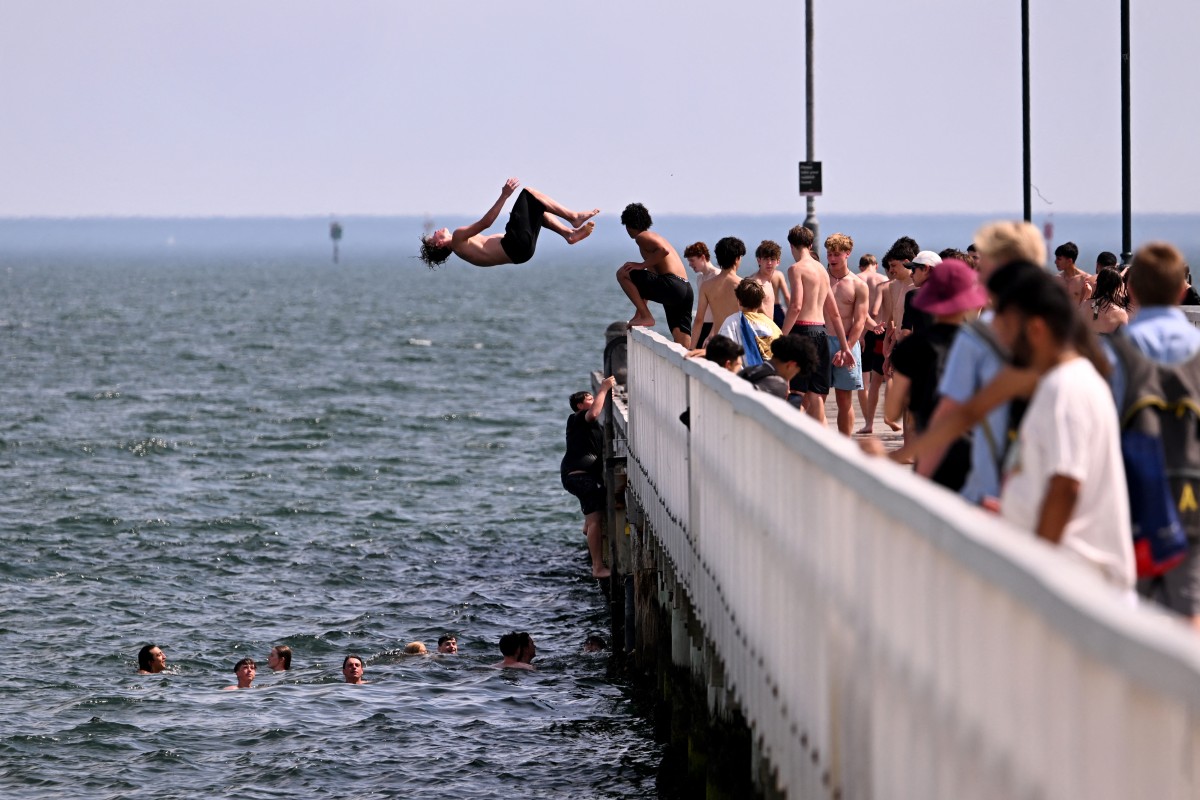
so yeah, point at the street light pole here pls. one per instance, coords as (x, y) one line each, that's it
(1126, 172)
(810, 221)
(1026, 163)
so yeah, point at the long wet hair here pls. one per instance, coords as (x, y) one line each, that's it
(1109, 290)
(432, 255)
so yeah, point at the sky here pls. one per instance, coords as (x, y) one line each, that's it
(390, 107)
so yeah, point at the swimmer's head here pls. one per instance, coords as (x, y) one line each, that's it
(280, 658)
(152, 659)
(448, 644)
(594, 644)
(636, 219)
(435, 248)
(415, 649)
(352, 669)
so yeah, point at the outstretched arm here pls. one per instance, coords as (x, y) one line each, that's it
(597, 408)
(489, 219)
(1009, 383)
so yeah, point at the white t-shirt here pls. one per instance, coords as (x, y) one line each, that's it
(1071, 429)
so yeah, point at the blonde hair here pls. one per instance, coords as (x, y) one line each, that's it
(1009, 242)
(839, 243)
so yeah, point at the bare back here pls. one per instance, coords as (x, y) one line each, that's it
(809, 285)
(875, 284)
(659, 255)
(720, 298)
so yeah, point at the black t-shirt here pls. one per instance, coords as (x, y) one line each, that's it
(585, 445)
(921, 357)
(914, 319)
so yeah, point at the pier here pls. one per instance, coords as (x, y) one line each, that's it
(818, 623)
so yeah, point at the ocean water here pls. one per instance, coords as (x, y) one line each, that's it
(216, 440)
(217, 453)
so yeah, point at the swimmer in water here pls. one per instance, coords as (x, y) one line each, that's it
(448, 645)
(352, 670)
(415, 649)
(531, 212)
(518, 651)
(151, 660)
(280, 658)
(245, 670)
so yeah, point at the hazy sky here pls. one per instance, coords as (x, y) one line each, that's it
(291, 107)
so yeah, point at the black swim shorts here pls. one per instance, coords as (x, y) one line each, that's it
(872, 352)
(673, 292)
(819, 379)
(524, 225)
(588, 488)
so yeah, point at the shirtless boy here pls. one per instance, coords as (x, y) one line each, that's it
(531, 212)
(872, 358)
(719, 294)
(1079, 284)
(774, 284)
(892, 306)
(697, 257)
(659, 276)
(852, 296)
(811, 309)
(518, 651)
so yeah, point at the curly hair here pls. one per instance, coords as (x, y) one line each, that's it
(728, 251)
(769, 250)
(839, 243)
(699, 249)
(431, 254)
(637, 217)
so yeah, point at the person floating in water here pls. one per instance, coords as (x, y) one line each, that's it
(448, 644)
(280, 658)
(151, 660)
(352, 670)
(531, 212)
(518, 651)
(245, 670)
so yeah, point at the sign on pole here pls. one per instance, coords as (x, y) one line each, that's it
(810, 178)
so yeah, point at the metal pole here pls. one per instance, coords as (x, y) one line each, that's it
(1126, 172)
(1027, 163)
(810, 221)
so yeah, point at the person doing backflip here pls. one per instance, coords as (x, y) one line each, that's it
(531, 212)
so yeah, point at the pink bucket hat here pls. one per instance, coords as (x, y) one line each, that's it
(951, 288)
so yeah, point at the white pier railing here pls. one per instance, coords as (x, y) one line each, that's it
(886, 639)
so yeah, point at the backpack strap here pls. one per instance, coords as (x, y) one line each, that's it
(984, 333)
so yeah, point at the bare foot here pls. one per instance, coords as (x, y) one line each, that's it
(579, 234)
(639, 320)
(601, 572)
(893, 425)
(864, 430)
(583, 216)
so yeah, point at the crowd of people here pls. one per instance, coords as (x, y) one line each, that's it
(1006, 380)
(1013, 386)
(517, 651)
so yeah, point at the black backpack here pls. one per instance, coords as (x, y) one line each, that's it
(1160, 443)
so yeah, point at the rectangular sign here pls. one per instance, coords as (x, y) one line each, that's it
(810, 178)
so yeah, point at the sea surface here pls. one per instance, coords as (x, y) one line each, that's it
(217, 453)
(215, 439)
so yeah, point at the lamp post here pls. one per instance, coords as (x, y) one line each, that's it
(1126, 173)
(1026, 161)
(810, 221)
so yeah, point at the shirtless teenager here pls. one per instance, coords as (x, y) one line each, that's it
(659, 276)
(852, 296)
(872, 351)
(771, 279)
(518, 650)
(531, 212)
(810, 311)
(719, 294)
(698, 259)
(1079, 284)
(892, 306)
